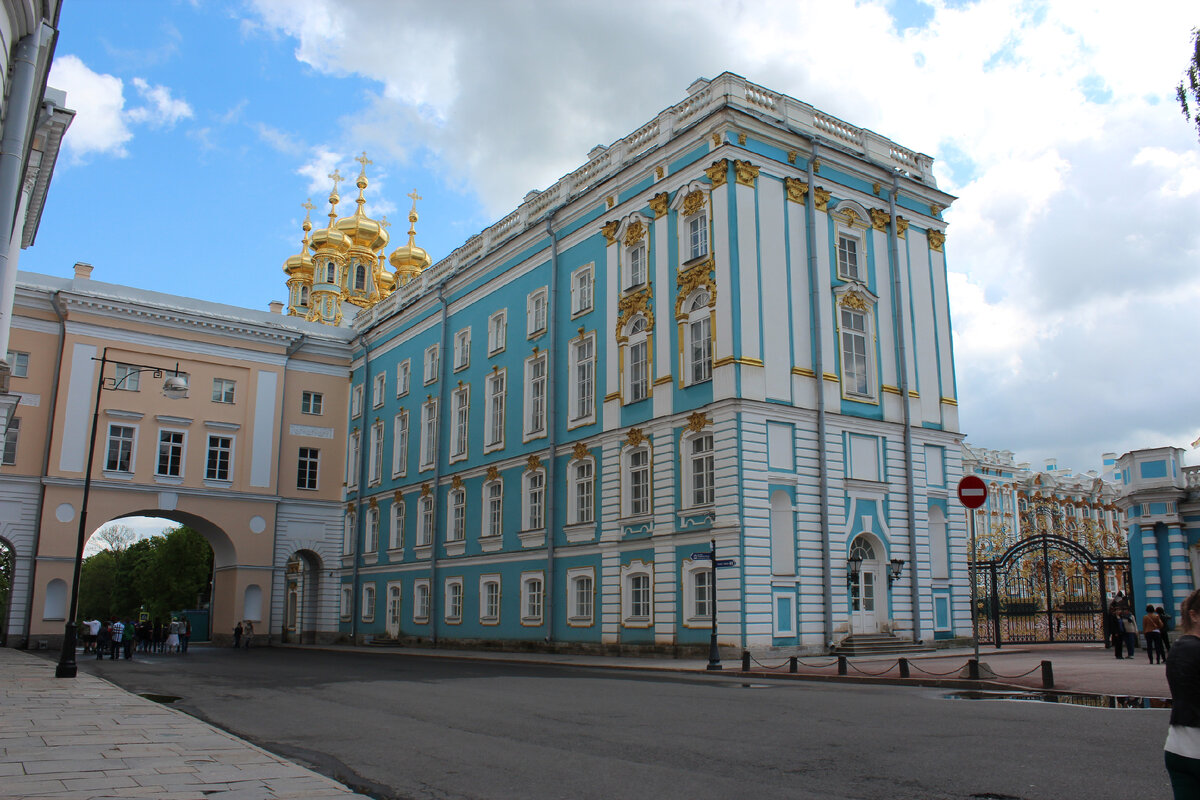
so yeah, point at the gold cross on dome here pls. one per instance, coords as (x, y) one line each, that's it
(384, 222)
(363, 160)
(308, 206)
(337, 178)
(415, 197)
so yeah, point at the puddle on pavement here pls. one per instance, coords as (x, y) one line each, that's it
(1067, 698)
(160, 698)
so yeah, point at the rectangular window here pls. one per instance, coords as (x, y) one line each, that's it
(637, 266)
(494, 425)
(855, 379)
(581, 291)
(127, 378)
(421, 601)
(170, 454)
(396, 529)
(9, 457)
(425, 523)
(403, 374)
(429, 443)
(356, 398)
(497, 330)
(462, 349)
(583, 372)
(378, 388)
(531, 600)
(344, 606)
(375, 467)
(639, 371)
(312, 403)
(535, 313)
(454, 599)
(353, 460)
(223, 390)
(639, 596)
(400, 445)
(935, 468)
(220, 451)
(431, 364)
(460, 432)
(535, 499)
(584, 489)
(702, 470)
(372, 543)
(306, 468)
(493, 523)
(458, 516)
(639, 483)
(119, 456)
(18, 362)
(848, 257)
(700, 356)
(581, 601)
(535, 398)
(702, 593)
(489, 601)
(697, 232)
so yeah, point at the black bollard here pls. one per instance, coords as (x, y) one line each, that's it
(973, 669)
(841, 665)
(793, 664)
(904, 668)
(1047, 675)
(745, 661)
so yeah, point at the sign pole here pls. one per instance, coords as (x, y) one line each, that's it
(714, 653)
(974, 584)
(972, 493)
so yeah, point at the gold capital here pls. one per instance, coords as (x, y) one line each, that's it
(658, 204)
(717, 172)
(745, 172)
(823, 196)
(879, 219)
(796, 189)
(610, 230)
(936, 240)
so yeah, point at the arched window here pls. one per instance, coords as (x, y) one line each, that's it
(635, 495)
(304, 295)
(637, 362)
(252, 602)
(56, 600)
(698, 351)
(360, 277)
(331, 273)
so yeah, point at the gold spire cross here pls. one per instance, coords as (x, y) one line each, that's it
(308, 206)
(415, 197)
(337, 178)
(363, 160)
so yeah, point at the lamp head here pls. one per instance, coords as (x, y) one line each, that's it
(854, 564)
(897, 567)
(175, 387)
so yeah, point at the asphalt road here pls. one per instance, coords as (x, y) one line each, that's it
(400, 726)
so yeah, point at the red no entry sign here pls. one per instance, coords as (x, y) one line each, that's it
(972, 491)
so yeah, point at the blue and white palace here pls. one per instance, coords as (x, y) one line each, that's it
(732, 326)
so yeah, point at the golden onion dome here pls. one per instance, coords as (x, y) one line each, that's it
(331, 238)
(409, 260)
(301, 264)
(362, 230)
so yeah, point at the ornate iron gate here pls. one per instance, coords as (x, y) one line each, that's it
(1046, 588)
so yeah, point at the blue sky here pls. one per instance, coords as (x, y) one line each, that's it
(1073, 246)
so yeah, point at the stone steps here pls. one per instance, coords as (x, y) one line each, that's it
(872, 644)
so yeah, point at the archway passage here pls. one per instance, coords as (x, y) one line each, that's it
(302, 594)
(868, 586)
(1046, 588)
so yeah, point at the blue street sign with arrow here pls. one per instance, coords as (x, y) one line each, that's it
(701, 556)
(724, 562)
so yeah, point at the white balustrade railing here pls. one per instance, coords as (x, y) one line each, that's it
(725, 89)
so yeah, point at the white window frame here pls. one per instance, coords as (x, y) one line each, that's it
(403, 377)
(158, 473)
(108, 448)
(229, 456)
(349, 531)
(536, 413)
(580, 486)
(312, 461)
(421, 600)
(429, 434)
(695, 615)
(533, 500)
(497, 332)
(636, 387)
(697, 366)
(456, 515)
(492, 522)
(637, 594)
(375, 465)
(400, 444)
(696, 236)
(312, 403)
(490, 616)
(371, 531)
(11, 440)
(581, 358)
(644, 506)
(224, 390)
(126, 377)
(367, 612)
(637, 269)
(396, 525)
(694, 466)
(867, 338)
(582, 290)
(356, 401)
(425, 521)
(353, 461)
(496, 385)
(460, 428)
(18, 362)
(453, 612)
(850, 269)
(533, 598)
(378, 389)
(581, 604)
(536, 313)
(462, 349)
(430, 370)
(347, 598)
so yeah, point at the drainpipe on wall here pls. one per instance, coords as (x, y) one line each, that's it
(810, 214)
(910, 490)
(363, 455)
(444, 358)
(551, 429)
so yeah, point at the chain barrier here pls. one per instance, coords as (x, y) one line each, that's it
(1022, 675)
(871, 674)
(913, 665)
(819, 666)
(764, 666)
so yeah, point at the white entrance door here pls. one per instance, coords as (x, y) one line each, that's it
(866, 589)
(393, 611)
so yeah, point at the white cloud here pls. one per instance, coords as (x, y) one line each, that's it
(318, 168)
(99, 126)
(162, 111)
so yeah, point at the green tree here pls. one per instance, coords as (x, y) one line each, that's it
(1188, 90)
(178, 574)
(96, 580)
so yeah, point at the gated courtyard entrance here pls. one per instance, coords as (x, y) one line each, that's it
(1046, 588)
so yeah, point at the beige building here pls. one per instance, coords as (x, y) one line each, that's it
(251, 458)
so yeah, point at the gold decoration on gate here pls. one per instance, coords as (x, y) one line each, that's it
(718, 172)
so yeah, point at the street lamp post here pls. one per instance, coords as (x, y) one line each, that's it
(175, 387)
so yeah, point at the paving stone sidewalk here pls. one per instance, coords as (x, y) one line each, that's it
(86, 738)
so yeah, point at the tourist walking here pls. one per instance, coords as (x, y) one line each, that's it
(237, 636)
(185, 634)
(1116, 628)
(159, 636)
(247, 633)
(118, 632)
(103, 640)
(130, 636)
(1129, 626)
(1152, 630)
(1166, 623)
(173, 636)
(1182, 749)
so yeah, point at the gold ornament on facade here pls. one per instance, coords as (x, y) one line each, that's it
(851, 218)
(718, 172)
(816, 165)
(741, 138)
(901, 226)
(635, 437)
(935, 209)
(745, 173)
(797, 190)
(373, 503)
(635, 233)
(630, 306)
(936, 240)
(697, 421)
(879, 219)
(457, 482)
(611, 201)
(397, 496)
(493, 473)
(716, 140)
(691, 279)
(855, 301)
(426, 491)
(659, 204)
(693, 202)
(823, 197)
(660, 172)
(610, 231)
(876, 188)
(791, 156)
(580, 451)
(533, 463)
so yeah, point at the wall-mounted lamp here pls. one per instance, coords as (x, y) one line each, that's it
(896, 569)
(853, 567)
